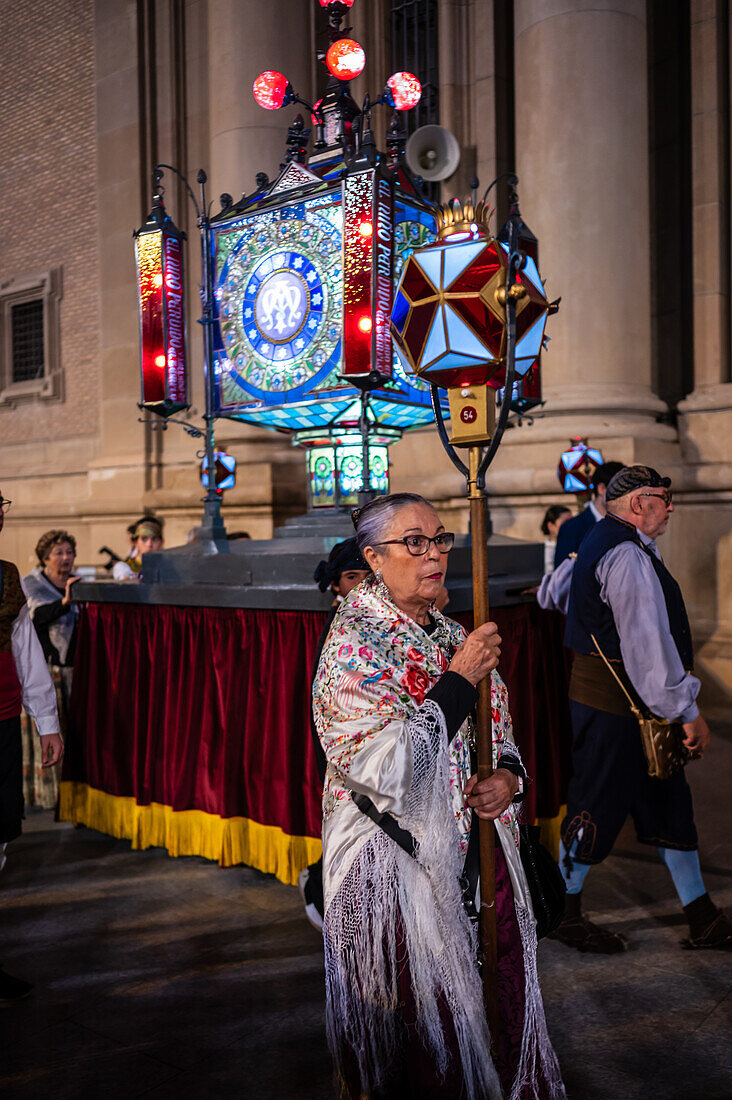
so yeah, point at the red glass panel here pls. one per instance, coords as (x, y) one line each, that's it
(417, 328)
(357, 269)
(148, 249)
(477, 274)
(415, 284)
(484, 324)
(532, 384)
(527, 316)
(174, 318)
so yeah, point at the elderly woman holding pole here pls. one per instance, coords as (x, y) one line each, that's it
(392, 702)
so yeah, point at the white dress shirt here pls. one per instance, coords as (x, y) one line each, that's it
(39, 693)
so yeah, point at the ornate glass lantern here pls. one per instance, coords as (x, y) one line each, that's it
(577, 466)
(161, 290)
(449, 316)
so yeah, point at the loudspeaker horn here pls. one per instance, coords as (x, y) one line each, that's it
(433, 153)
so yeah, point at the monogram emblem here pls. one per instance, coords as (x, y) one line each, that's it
(281, 305)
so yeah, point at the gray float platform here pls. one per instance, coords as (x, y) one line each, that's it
(278, 573)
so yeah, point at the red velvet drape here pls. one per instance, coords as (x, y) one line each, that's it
(208, 708)
(534, 666)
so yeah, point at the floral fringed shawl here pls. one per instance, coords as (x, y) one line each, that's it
(383, 737)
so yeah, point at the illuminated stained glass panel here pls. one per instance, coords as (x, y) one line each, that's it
(321, 476)
(279, 303)
(278, 297)
(159, 256)
(335, 469)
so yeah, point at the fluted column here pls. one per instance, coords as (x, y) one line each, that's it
(582, 161)
(246, 37)
(710, 207)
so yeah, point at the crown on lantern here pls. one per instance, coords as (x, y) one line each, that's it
(459, 217)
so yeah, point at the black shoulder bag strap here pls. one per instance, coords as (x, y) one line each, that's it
(471, 870)
(387, 824)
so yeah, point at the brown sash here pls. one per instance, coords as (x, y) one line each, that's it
(593, 684)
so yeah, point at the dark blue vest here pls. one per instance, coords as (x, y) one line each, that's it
(587, 613)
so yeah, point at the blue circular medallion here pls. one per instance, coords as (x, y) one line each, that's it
(283, 306)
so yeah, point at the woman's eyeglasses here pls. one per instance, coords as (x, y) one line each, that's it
(419, 544)
(4, 504)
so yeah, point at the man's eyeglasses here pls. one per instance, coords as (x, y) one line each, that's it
(4, 504)
(419, 544)
(666, 496)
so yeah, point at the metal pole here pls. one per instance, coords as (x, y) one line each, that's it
(367, 493)
(487, 832)
(213, 531)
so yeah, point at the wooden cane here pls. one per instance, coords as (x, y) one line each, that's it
(487, 833)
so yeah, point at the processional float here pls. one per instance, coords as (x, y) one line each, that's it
(344, 308)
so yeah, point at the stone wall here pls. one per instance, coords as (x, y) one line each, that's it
(48, 184)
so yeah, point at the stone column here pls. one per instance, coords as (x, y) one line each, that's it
(710, 214)
(582, 161)
(246, 37)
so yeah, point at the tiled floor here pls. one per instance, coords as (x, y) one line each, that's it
(176, 979)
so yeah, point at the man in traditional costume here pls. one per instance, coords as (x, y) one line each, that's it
(392, 701)
(24, 682)
(624, 602)
(572, 531)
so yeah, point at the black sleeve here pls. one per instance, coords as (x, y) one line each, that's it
(566, 540)
(47, 613)
(456, 697)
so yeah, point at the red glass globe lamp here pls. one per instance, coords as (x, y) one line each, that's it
(345, 59)
(272, 90)
(403, 91)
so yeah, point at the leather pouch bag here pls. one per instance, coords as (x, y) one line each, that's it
(663, 742)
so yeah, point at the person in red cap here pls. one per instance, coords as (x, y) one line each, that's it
(625, 608)
(24, 682)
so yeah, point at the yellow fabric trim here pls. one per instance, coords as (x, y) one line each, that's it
(228, 841)
(549, 835)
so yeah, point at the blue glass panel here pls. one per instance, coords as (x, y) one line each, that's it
(435, 346)
(404, 362)
(531, 272)
(596, 456)
(453, 361)
(573, 484)
(399, 312)
(460, 337)
(529, 346)
(431, 263)
(458, 257)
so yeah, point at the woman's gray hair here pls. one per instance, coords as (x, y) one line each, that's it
(373, 520)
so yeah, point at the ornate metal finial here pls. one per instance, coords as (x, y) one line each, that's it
(458, 217)
(297, 142)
